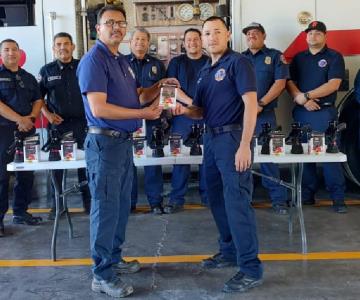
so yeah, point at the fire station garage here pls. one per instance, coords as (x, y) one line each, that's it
(179, 149)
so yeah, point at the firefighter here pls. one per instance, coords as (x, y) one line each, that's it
(63, 106)
(148, 70)
(271, 74)
(315, 77)
(20, 105)
(226, 97)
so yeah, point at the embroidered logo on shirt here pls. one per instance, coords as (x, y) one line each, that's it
(5, 79)
(267, 60)
(154, 70)
(131, 72)
(220, 74)
(51, 78)
(322, 63)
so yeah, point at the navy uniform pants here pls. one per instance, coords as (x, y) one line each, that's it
(333, 174)
(109, 163)
(229, 195)
(78, 127)
(181, 173)
(277, 192)
(23, 180)
(153, 177)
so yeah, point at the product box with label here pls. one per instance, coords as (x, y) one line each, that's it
(68, 147)
(68, 150)
(168, 95)
(32, 148)
(139, 147)
(277, 143)
(175, 144)
(316, 143)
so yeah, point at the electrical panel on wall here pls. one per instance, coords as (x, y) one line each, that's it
(167, 21)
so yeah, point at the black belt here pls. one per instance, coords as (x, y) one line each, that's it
(223, 129)
(109, 132)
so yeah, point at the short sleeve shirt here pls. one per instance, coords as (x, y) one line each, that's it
(18, 90)
(310, 71)
(102, 71)
(220, 88)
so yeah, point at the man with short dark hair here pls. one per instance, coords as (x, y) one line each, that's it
(315, 77)
(112, 106)
(226, 97)
(20, 104)
(271, 74)
(63, 106)
(186, 68)
(148, 70)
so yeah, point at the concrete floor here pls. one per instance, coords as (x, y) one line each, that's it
(191, 232)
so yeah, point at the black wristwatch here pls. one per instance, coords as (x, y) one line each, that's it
(307, 96)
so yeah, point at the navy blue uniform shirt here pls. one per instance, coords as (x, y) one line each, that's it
(186, 70)
(102, 71)
(18, 90)
(310, 71)
(220, 87)
(148, 71)
(59, 82)
(269, 67)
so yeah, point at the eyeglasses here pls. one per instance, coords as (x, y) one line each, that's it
(19, 81)
(111, 22)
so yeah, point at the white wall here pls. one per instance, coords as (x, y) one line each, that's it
(36, 40)
(30, 39)
(65, 21)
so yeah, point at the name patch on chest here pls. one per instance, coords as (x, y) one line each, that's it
(52, 78)
(322, 63)
(220, 74)
(5, 79)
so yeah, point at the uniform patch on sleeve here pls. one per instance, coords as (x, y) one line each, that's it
(220, 74)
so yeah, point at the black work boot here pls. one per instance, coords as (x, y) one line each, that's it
(27, 219)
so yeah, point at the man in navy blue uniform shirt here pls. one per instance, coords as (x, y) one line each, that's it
(64, 108)
(148, 70)
(20, 104)
(226, 98)
(315, 77)
(186, 68)
(113, 113)
(271, 74)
